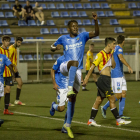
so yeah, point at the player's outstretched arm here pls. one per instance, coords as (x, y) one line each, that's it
(88, 75)
(54, 48)
(55, 86)
(125, 63)
(96, 33)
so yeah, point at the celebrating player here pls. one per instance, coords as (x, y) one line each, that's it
(13, 58)
(73, 47)
(117, 77)
(4, 61)
(89, 61)
(104, 60)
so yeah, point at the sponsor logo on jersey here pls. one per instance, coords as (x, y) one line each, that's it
(76, 45)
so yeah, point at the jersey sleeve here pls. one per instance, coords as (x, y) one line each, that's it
(7, 61)
(11, 51)
(98, 59)
(119, 51)
(56, 65)
(59, 41)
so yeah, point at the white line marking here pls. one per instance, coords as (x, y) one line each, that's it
(57, 119)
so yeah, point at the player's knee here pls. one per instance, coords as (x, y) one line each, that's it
(123, 93)
(20, 84)
(98, 101)
(61, 108)
(7, 90)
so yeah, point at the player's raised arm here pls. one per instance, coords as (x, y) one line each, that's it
(125, 63)
(96, 33)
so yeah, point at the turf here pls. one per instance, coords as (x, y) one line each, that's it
(38, 98)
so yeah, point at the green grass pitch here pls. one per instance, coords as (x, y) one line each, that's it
(23, 125)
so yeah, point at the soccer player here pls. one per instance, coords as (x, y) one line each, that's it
(13, 58)
(4, 61)
(89, 61)
(117, 77)
(8, 82)
(104, 60)
(73, 48)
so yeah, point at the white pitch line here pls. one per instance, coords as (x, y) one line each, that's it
(57, 119)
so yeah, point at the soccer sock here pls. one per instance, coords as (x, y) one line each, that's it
(18, 93)
(83, 87)
(93, 113)
(72, 108)
(65, 118)
(72, 73)
(96, 83)
(121, 106)
(7, 100)
(55, 106)
(69, 113)
(108, 104)
(115, 113)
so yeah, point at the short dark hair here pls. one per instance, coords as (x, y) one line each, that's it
(92, 44)
(120, 39)
(16, 0)
(6, 37)
(71, 22)
(19, 38)
(109, 40)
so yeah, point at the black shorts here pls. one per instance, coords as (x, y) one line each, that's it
(104, 86)
(88, 71)
(17, 75)
(8, 81)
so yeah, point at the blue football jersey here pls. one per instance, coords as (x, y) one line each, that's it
(61, 80)
(73, 48)
(118, 70)
(4, 61)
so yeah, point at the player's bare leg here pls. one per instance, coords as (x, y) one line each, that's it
(7, 90)
(19, 86)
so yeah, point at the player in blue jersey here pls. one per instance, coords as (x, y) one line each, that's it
(73, 49)
(117, 78)
(4, 61)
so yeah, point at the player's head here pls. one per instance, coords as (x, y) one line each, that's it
(120, 40)
(36, 4)
(91, 46)
(27, 3)
(110, 43)
(73, 27)
(16, 2)
(18, 41)
(6, 40)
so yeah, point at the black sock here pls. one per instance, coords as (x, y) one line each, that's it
(93, 113)
(7, 100)
(18, 93)
(96, 83)
(115, 113)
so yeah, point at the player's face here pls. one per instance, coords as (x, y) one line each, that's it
(16, 2)
(18, 43)
(91, 47)
(6, 43)
(112, 45)
(27, 2)
(73, 28)
(36, 4)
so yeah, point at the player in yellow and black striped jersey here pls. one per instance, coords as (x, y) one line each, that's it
(13, 58)
(8, 81)
(104, 60)
(89, 61)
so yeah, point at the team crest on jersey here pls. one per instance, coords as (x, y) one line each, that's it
(0, 59)
(77, 38)
(118, 88)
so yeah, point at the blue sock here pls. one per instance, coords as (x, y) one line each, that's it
(65, 118)
(72, 73)
(73, 106)
(55, 106)
(121, 106)
(108, 104)
(69, 112)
